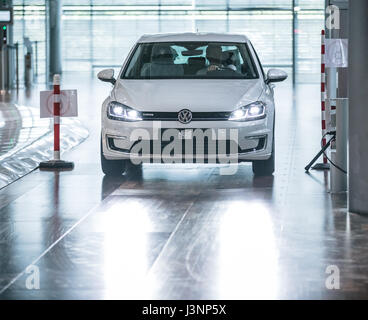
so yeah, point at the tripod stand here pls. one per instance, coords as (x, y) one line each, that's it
(322, 151)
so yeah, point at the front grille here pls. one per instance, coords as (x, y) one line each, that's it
(196, 116)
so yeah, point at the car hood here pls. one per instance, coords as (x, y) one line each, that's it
(195, 95)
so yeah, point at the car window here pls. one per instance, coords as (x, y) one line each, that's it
(191, 60)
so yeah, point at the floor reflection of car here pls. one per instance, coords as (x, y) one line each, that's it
(190, 97)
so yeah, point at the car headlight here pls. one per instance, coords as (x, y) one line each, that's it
(119, 111)
(253, 111)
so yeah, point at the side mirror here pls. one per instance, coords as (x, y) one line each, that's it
(107, 75)
(276, 75)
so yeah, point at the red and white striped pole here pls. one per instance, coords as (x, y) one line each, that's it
(56, 163)
(323, 91)
(57, 101)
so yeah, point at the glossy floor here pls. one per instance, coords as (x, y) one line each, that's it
(26, 140)
(184, 231)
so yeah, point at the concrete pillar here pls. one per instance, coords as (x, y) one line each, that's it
(358, 107)
(339, 155)
(54, 11)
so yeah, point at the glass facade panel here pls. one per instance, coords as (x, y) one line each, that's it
(29, 22)
(100, 33)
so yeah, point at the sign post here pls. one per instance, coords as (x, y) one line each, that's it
(61, 107)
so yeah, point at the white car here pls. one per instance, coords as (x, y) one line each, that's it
(191, 98)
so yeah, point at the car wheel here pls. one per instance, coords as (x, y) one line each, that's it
(111, 167)
(266, 167)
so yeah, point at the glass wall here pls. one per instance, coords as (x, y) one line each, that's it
(99, 33)
(29, 22)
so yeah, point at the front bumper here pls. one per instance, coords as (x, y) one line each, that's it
(253, 141)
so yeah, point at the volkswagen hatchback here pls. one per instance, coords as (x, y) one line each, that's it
(190, 98)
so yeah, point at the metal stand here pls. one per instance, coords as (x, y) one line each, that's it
(320, 166)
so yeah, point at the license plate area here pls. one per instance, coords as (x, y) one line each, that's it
(185, 134)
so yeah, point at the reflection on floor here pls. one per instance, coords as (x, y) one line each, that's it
(26, 140)
(184, 231)
(19, 126)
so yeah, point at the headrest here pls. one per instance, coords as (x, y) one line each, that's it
(228, 56)
(162, 52)
(214, 52)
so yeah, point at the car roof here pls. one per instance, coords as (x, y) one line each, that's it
(191, 36)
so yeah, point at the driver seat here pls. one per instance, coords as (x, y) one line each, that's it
(162, 63)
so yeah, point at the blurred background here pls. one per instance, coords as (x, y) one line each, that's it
(97, 34)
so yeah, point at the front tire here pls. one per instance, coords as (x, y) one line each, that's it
(265, 167)
(111, 167)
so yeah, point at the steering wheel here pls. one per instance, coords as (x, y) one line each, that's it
(222, 69)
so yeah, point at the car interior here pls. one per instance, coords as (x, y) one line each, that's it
(168, 60)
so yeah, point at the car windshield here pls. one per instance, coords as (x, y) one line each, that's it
(190, 60)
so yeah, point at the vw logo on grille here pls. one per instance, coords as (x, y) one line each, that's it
(185, 116)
